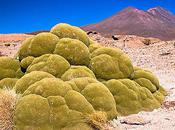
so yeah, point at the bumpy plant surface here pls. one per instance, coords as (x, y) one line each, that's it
(8, 83)
(75, 51)
(38, 45)
(63, 30)
(9, 68)
(77, 72)
(51, 63)
(26, 62)
(67, 81)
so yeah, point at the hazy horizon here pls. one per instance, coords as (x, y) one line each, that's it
(19, 16)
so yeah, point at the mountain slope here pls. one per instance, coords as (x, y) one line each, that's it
(156, 22)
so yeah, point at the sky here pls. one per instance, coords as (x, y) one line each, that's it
(21, 16)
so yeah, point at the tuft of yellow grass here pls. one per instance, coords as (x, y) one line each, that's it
(8, 99)
(98, 120)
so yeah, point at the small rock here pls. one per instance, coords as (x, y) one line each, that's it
(115, 37)
(91, 32)
(169, 104)
(165, 53)
(134, 120)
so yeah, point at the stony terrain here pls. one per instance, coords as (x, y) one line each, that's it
(9, 43)
(158, 56)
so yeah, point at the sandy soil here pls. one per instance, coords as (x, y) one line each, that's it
(12, 37)
(9, 43)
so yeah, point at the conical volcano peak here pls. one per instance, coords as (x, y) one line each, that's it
(130, 9)
(138, 22)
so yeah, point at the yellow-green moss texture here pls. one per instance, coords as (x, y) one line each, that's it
(63, 30)
(51, 63)
(9, 68)
(75, 51)
(42, 43)
(110, 63)
(130, 97)
(52, 104)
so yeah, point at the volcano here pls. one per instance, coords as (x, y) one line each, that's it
(155, 22)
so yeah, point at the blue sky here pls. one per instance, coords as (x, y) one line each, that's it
(18, 16)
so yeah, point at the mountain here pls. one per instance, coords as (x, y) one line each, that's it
(36, 32)
(155, 22)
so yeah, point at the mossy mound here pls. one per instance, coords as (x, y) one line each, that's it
(24, 48)
(73, 50)
(63, 30)
(9, 68)
(110, 63)
(51, 113)
(42, 43)
(26, 62)
(67, 81)
(48, 87)
(8, 83)
(77, 72)
(51, 63)
(29, 79)
(101, 99)
(78, 84)
(146, 79)
(130, 97)
(62, 107)
(96, 93)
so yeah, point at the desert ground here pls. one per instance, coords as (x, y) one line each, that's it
(9, 43)
(150, 53)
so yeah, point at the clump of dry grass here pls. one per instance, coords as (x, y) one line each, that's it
(8, 100)
(98, 120)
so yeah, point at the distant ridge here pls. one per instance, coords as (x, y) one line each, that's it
(36, 32)
(155, 22)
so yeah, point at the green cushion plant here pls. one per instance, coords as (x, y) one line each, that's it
(66, 81)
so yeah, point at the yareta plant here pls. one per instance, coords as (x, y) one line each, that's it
(63, 80)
